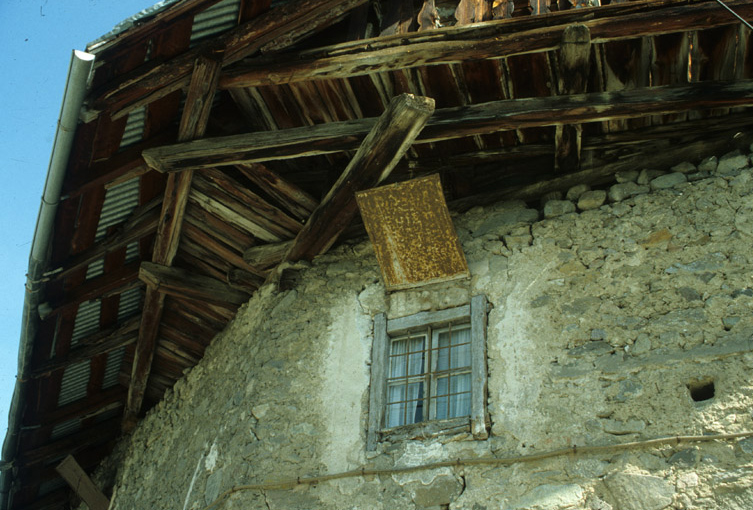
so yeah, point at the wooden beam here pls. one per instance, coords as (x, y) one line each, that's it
(267, 255)
(193, 124)
(490, 40)
(575, 54)
(82, 485)
(185, 285)
(273, 30)
(388, 140)
(456, 122)
(71, 444)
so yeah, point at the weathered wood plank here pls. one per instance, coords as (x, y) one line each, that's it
(378, 388)
(185, 285)
(575, 53)
(293, 198)
(81, 484)
(449, 123)
(478, 367)
(492, 40)
(380, 151)
(267, 255)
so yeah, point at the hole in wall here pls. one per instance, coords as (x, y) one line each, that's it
(701, 389)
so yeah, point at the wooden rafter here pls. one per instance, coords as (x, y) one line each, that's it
(82, 485)
(273, 30)
(192, 125)
(491, 40)
(294, 199)
(388, 140)
(457, 122)
(182, 284)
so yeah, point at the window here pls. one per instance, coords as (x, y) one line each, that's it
(429, 371)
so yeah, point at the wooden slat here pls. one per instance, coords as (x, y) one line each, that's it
(449, 123)
(70, 445)
(491, 40)
(478, 367)
(82, 485)
(184, 285)
(267, 255)
(575, 52)
(380, 151)
(290, 196)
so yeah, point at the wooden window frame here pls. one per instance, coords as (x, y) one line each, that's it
(385, 330)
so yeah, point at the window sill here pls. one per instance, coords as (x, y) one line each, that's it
(427, 429)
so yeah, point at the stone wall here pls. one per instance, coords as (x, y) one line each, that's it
(607, 308)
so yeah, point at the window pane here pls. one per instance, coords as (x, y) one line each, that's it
(416, 358)
(398, 358)
(460, 356)
(460, 395)
(415, 403)
(440, 402)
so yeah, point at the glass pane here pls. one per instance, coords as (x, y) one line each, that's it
(440, 410)
(461, 356)
(443, 353)
(460, 395)
(395, 415)
(395, 405)
(415, 405)
(398, 358)
(416, 358)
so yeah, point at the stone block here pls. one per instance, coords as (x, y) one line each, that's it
(554, 208)
(668, 181)
(620, 428)
(731, 162)
(576, 191)
(708, 165)
(503, 222)
(632, 491)
(552, 497)
(592, 199)
(684, 167)
(626, 176)
(620, 192)
(647, 175)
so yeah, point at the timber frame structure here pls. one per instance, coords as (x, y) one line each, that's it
(219, 139)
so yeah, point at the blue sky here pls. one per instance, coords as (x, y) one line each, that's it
(37, 38)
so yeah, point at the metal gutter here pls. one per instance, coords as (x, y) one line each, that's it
(79, 74)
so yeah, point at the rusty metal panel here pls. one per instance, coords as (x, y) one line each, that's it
(412, 233)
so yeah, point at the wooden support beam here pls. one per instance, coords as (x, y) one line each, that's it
(267, 255)
(388, 140)
(456, 122)
(193, 123)
(82, 485)
(184, 285)
(70, 445)
(575, 53)
(490, 40)
(271, 31)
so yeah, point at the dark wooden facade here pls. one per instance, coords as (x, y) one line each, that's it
(249, 157)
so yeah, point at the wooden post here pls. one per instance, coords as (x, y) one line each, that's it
(575, 52)
(82, 484)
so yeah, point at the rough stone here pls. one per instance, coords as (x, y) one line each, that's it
(503, 222)
(551, 497)
(619, 427)
(647, 175)
(574, 193)
(626, 176)
(592, 199)
(708, 164)
(620, 192)
(668, 181)
(685, 167)
(731, 162)
(639, 492)
(554, 208)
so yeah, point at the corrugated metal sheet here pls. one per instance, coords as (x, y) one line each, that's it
(219, 18)
(412, 232)
(134, 130)
(130, 304)
(75, 379)
(51, 485)
(65, 428)
(87, 320)
(120, 201)
(112, 369)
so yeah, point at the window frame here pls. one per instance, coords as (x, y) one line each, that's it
(385, 330)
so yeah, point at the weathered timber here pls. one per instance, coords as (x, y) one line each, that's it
(98, 343)
(185, 285)
(456, 122)
(386, 143)
(454, 45)
(282, 223)
(142, 223)
(82, 485)
(380, 350)
(203, 85)
(210, 243)
(271, 31)
(231, 236)
(473, 11)
(397, 17)
(267, 255)
(244, 280)
(294, 199)
(234, 213)
(105, 400)
(575, 53)
(71, 444)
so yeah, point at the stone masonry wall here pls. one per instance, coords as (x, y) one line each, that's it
(607, 308)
